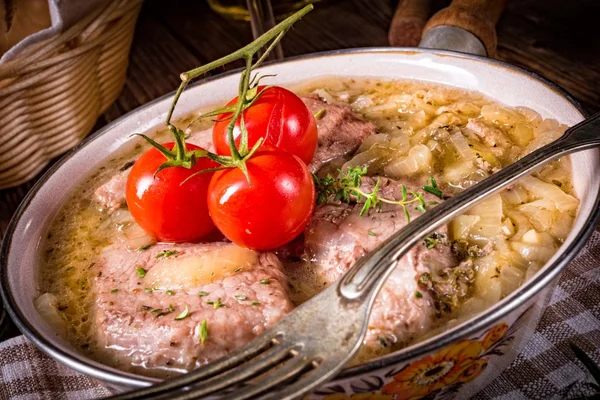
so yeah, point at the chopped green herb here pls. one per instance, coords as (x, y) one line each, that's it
(319, 114)
(431, 242)
(160, 312)
(183, 314)
(241, 297)
(238, 269)
(218, 304)
(141, 272)
(210, 302)
(202, 293)
(146, 247)
(114, 291)
(431, 187)
(203, 332)
(170, 292)
(148, 290)
(145, 308)
(418, 294)
(126, 166)
(255, 303)
(265, 281)
(166, 253)
(347, 188)
(371, 233)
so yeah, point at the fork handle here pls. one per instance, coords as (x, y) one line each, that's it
(367, 276)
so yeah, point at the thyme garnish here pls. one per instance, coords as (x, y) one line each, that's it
(371, 233)
(141, 272)
(183, 314)
(346, 188)
(432, 187)
(170, 292)
(255, 303)
(217, 304)
(202, 293)
(241, 297)
(113, 291)
(203, 331)
(265, 281)
(319, 114)
(166, 253)
(160, 311)
(143, 248)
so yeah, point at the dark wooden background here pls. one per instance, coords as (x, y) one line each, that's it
(558, 39)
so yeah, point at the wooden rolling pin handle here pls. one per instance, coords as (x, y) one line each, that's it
(408, 22)
(478, 17)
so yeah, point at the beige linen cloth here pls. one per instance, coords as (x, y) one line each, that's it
(546, 369)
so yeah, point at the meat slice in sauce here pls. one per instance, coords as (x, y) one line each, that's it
(111, 195)
(337, 236)
(341, 131)
(134, 312)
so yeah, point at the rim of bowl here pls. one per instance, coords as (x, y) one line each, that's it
(478, 322)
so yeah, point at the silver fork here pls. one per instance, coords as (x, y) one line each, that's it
(311, 345)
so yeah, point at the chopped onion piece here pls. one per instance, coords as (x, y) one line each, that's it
(510, 279)
(419, 158)
(542, 190)
(460, 227)
(488, 226)
(381, 138)
(47, 306)
(462, 146)
(191, 271)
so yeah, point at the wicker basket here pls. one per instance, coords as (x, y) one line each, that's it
(53, 92)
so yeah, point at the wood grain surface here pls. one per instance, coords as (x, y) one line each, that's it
(557, 39)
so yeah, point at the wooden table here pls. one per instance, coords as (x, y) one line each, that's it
(557, 39)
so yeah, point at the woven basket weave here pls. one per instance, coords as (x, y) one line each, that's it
(53, 92)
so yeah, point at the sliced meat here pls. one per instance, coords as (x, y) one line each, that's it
(337, 236)
(111, 195)
(341, 131)
(135, 324)
(493, 137)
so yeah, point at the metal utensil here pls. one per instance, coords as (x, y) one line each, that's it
(310, 345)
(467, 26)
(262, 19)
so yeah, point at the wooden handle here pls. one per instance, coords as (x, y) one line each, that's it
(408, 22)
(476, 16)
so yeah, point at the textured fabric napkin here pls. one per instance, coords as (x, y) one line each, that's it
(63, 14)
(545, 369)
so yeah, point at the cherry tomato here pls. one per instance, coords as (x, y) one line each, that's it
(272, 209)
(280, 117)
(162, 205)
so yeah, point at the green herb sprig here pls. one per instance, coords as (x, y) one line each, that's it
(432, 187)
(347, 188)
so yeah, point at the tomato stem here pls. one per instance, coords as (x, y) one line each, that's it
(247, 52)
(180, 156)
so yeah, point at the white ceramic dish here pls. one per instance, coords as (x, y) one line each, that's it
(510, 321)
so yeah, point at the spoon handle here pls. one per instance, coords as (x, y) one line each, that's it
(367, 276)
